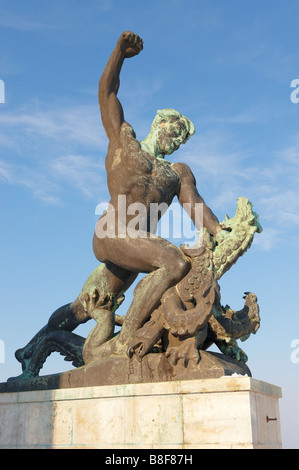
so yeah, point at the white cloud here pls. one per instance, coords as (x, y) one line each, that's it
(269, 238)
(224, 173)
(20, 23)
(5, 172)
(54, 147)
(66, 124)
(47, 181)
(221, 169)
(279, 196)
(84, 173)
(44, 148)
(251, 115)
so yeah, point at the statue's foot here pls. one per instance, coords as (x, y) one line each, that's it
(140, 347)
(19, 354)
(186, 352)
(25, 375)
(22, 357)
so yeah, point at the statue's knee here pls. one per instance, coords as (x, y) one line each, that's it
(179, 268)
(53, 322)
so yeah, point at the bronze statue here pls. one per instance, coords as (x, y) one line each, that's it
(176, 308)
(140, 172)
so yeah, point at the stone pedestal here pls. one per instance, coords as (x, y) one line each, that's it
(229, 412)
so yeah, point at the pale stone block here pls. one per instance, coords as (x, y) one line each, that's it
(157, 388)
(34, 423)
(98, 421)
(62, 422)
(40, 396)
(217, 418)
(266, 432)
(206, 414)
(154, 419)
(230, 384)
(6, 398)
(8, 423)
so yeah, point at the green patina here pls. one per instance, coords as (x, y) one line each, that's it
(236, 237)
(165, 119)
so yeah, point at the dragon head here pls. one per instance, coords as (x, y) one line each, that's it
(236, 236)
(244, 216)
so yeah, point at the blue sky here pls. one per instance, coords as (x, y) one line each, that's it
(227, 65)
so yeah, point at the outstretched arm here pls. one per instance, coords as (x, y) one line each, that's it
(128, 45)
(189, 196)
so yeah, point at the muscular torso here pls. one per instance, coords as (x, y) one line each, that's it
(139, 176)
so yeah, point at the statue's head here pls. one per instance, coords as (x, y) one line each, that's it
(170, 129)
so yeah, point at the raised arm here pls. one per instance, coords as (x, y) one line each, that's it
(128, 45)
(188, 194)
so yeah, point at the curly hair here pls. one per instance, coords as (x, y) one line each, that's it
(169, 114)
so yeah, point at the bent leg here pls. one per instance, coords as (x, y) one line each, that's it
(165, 265)
(110, 280)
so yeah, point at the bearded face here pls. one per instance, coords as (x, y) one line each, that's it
(171, 135)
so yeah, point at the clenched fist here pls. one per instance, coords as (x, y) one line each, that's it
(130, 44)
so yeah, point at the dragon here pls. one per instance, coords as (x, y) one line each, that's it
(189, 318)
